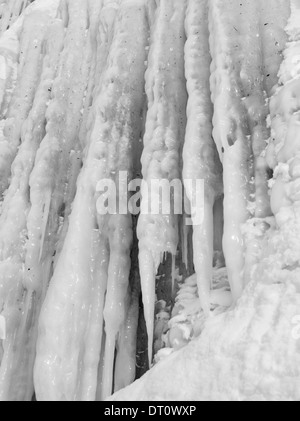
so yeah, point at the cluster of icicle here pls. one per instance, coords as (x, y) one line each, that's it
(88, 88)
(255, 344)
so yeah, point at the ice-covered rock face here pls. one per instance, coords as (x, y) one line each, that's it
(165, 90)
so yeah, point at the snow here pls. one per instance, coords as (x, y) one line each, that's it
(248, 353)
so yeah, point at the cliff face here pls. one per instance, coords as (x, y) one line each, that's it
(149, 167)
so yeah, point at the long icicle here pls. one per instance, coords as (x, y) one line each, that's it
(16, 381)
(129, 51)
(106, 155)
(200, 157)
(85, 277)
(125, 362)
(231, 27)
(163, 140)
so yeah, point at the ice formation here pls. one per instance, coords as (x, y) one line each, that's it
(166, 90)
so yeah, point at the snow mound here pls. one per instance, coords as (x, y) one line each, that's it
(249, 353)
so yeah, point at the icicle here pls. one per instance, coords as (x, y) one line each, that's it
(218, 224)
(200, 159)
(173, 273)
(29, 71)
(120, 238)
(51, 173)
(283, 150)
(46, 209)
(184, 239)
(234, 75)
(93, 337)
(248, 105)
(120, 226)
(126, 349)
(116, 127)
(163, 140)
(97, 55)
(88, 279)
(101, 14)
(16, 367)
(77, 295)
